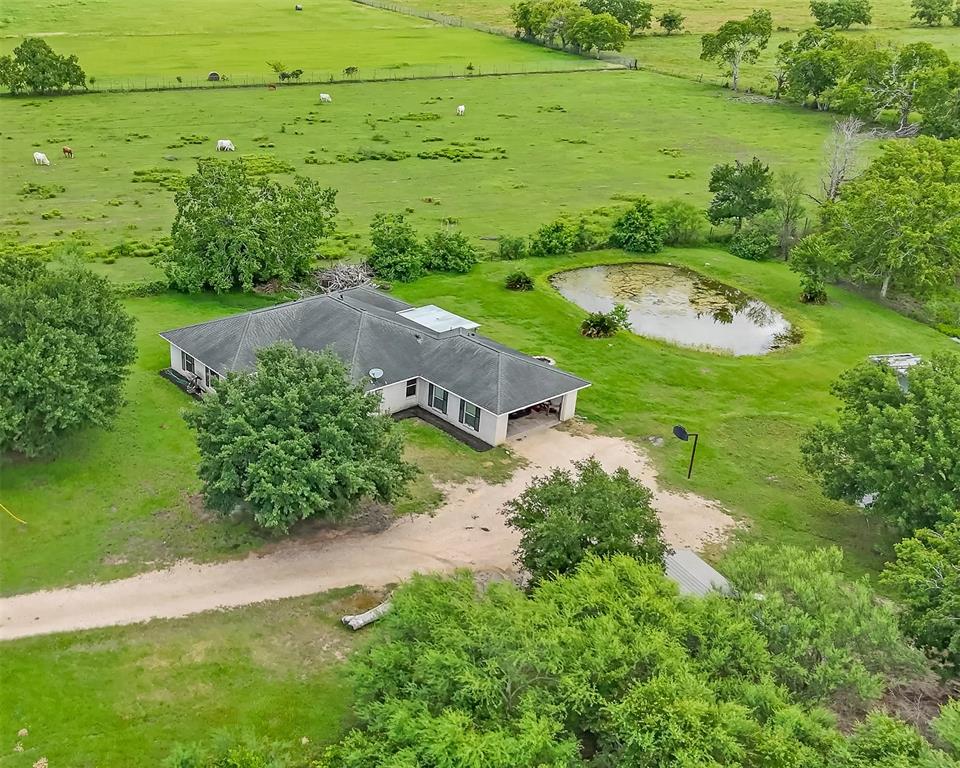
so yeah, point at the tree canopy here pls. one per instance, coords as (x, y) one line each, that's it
(896, 448)
(641, 228)
(605, 666)
(841, 14)
(395, 251)
(738, 42)
(740, 191)
(898, 224)
(295, 439)
(233, 230)
(926, 579)
(634, 14)
(563, 517)
(35, 67)
(66, 345)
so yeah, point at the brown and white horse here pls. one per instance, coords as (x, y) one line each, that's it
(67, 152)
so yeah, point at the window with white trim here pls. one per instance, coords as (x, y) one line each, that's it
(210, 376)
(470, 415)
(411, 387)
(438, 398)
(187, 362)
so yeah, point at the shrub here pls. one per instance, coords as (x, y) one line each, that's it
(519, 281)
(684, 223)
(512, 248)
(599, 325)
(33, 191)
(395, 252)
(447, 251)
(554, 239)
(564, 517)
(53, 213)
(640, 229)
(753, 243)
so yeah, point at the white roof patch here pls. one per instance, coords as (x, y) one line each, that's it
(692, 575)
(437, 319)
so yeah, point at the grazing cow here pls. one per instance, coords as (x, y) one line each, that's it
(461, 110)
(326, 98)
(40, 159)
(225, 145)
(271, 87)
(298, 7)
(67, 152)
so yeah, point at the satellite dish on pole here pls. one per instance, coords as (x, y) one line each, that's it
(376, 373)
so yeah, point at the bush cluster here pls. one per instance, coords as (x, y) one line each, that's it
(396, 253)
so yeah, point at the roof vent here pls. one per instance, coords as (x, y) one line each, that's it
(376, 373)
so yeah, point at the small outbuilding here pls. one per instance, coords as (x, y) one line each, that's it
(213, 77)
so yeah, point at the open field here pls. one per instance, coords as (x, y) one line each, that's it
(121, 501)
(125, 500)
(125, 696)
(554, 160)
(125, 43)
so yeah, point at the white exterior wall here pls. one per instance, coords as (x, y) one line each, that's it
(489, 422)
(569, 406)
(393, 397)
(198, 365)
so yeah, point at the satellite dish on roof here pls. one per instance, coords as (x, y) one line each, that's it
(376, 373)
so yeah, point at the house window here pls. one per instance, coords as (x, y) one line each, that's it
(470, 415)
(186, 362)
(411, 387)
(211, 376)
(438, 398)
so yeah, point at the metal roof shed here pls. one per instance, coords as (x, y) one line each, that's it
(693, 575)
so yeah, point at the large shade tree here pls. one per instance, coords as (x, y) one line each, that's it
(894, 446)
(740, 191)
(66, 345)
(233, 229)
(295, 439)
(36, 68)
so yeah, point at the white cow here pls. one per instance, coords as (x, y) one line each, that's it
(40, 159)
(461, 110)
(326, 98)
(225, 145)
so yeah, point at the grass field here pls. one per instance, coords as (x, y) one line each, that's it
(556, 158)
(125, 696)
(119, 501)
(127, 43)
(113, 502)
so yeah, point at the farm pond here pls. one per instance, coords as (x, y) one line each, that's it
(678, 305)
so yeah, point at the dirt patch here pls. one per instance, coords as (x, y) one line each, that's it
(467, 531)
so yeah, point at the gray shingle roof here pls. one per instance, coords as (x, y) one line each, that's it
(362, 327)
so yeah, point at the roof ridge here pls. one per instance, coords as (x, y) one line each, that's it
(521, 356)
(243, 337)
(499, 383)
(356, 342)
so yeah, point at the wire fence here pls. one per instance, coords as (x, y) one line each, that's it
(458, 21)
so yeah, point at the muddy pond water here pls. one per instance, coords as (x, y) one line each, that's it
(679, 305)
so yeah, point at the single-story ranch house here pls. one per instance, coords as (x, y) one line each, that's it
(415, 357)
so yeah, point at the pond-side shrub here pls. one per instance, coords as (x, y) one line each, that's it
(447, 251)
(519, 281)
(512, 248)
(599, 325)
(554, 239)
(684, 224)
(754, 244)
(640, 229)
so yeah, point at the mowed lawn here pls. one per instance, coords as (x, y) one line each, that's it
(131, 44)
(570, 142)
(749, 411)
(125, 696)
(126, 499)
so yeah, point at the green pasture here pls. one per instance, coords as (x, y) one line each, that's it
(564, 143)
(117, 501)
(124, 696)
(114, 502)
(130, 44)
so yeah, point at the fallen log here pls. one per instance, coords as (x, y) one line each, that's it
(360, 620)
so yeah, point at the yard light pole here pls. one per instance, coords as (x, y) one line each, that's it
(682, 434)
